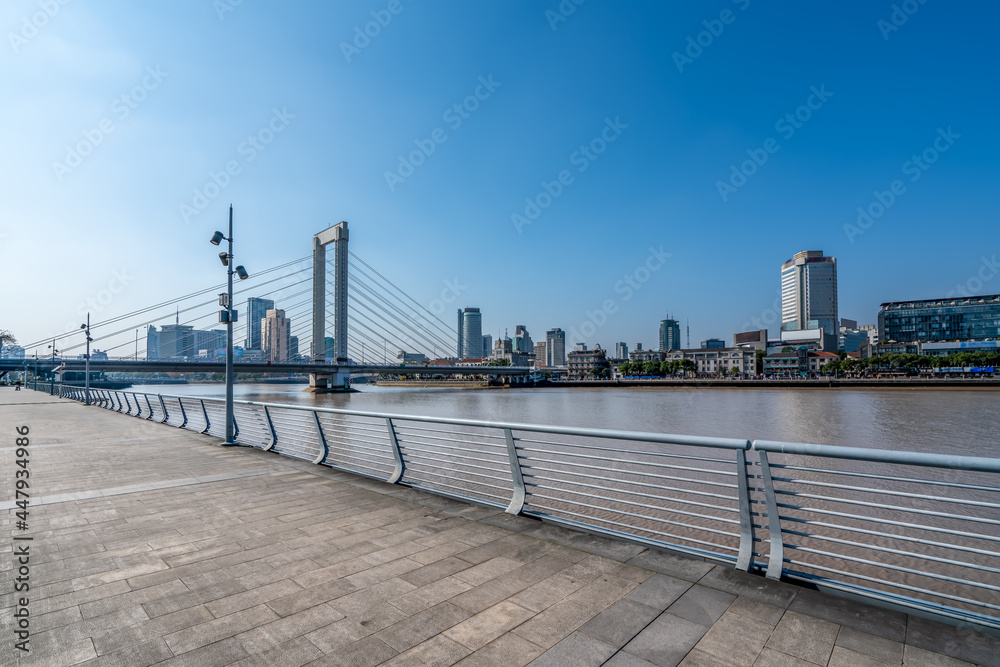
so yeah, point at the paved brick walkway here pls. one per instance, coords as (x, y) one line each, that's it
(152, 545)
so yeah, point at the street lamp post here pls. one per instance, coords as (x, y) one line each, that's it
(86, 380)
(229, 315)
(137, 345)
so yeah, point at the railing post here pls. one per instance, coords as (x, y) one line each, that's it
(128, 403)
(150, 406)
(270, 425)
(184, 416)
(138, 405)
(322, 440)
(744, 561)
(163, 406)
(205, 412)
(776, 558)
(397, 472)
(517, 497)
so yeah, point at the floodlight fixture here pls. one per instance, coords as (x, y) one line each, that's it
(242, 273)
(216, 238)
(224, 258)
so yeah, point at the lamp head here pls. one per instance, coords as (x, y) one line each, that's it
(224, 258)
(242, 273)
(83, 326)
(216, 238)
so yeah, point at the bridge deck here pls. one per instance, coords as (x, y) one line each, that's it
(151, 545)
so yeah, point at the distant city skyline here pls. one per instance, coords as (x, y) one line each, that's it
(578, 187)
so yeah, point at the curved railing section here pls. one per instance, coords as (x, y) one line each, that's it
(917, 532)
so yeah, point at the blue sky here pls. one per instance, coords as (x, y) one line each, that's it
(341, 111)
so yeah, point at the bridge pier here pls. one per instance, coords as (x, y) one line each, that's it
(330, 383)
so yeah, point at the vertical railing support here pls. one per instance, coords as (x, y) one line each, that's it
(397, 472)
(776, 557)
(128, 405)
(184, 416)
(118, 397)
(270, 425)
(138, 405)
(163, 406)
(150, 406)
(205, 412)
(744, 561)
(322, 440)
(517, 497)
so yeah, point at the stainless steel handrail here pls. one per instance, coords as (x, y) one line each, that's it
(887, 543)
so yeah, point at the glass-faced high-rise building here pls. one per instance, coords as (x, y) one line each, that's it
(809, 293)
(472, 334)
(256, 311)
(965, 319)
(670, 335)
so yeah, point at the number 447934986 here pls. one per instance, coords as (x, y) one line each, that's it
(22, 474)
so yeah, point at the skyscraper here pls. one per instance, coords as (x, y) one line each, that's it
(152, 343)
(275, 334)
(670, 335)
(522, 339)
(472, 334)
(555, 347)
(809, 293)
(487, 343)
(461, 343)
(256, 311)
(621, 350)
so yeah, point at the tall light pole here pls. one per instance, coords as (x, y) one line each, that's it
(86, 380)
(137, 345)
(228, 316)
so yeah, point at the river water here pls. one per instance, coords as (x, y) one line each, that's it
(943, 421)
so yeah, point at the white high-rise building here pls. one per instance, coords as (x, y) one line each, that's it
(809, 293)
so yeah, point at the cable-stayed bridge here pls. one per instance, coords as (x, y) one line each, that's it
(341, 299)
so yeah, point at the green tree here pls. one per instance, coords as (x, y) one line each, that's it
(7, 338)
(760, 360)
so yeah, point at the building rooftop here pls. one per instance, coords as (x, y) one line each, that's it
(920, 303)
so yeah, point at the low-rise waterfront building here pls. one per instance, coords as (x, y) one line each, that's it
(714, 361)
(943, 349)
(404, 357)
(587, 364)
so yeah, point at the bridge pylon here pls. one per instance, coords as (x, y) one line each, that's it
(339, 381)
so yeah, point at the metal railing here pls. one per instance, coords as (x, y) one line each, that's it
(848, 520)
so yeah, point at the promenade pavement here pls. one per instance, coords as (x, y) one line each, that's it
(152, 545)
